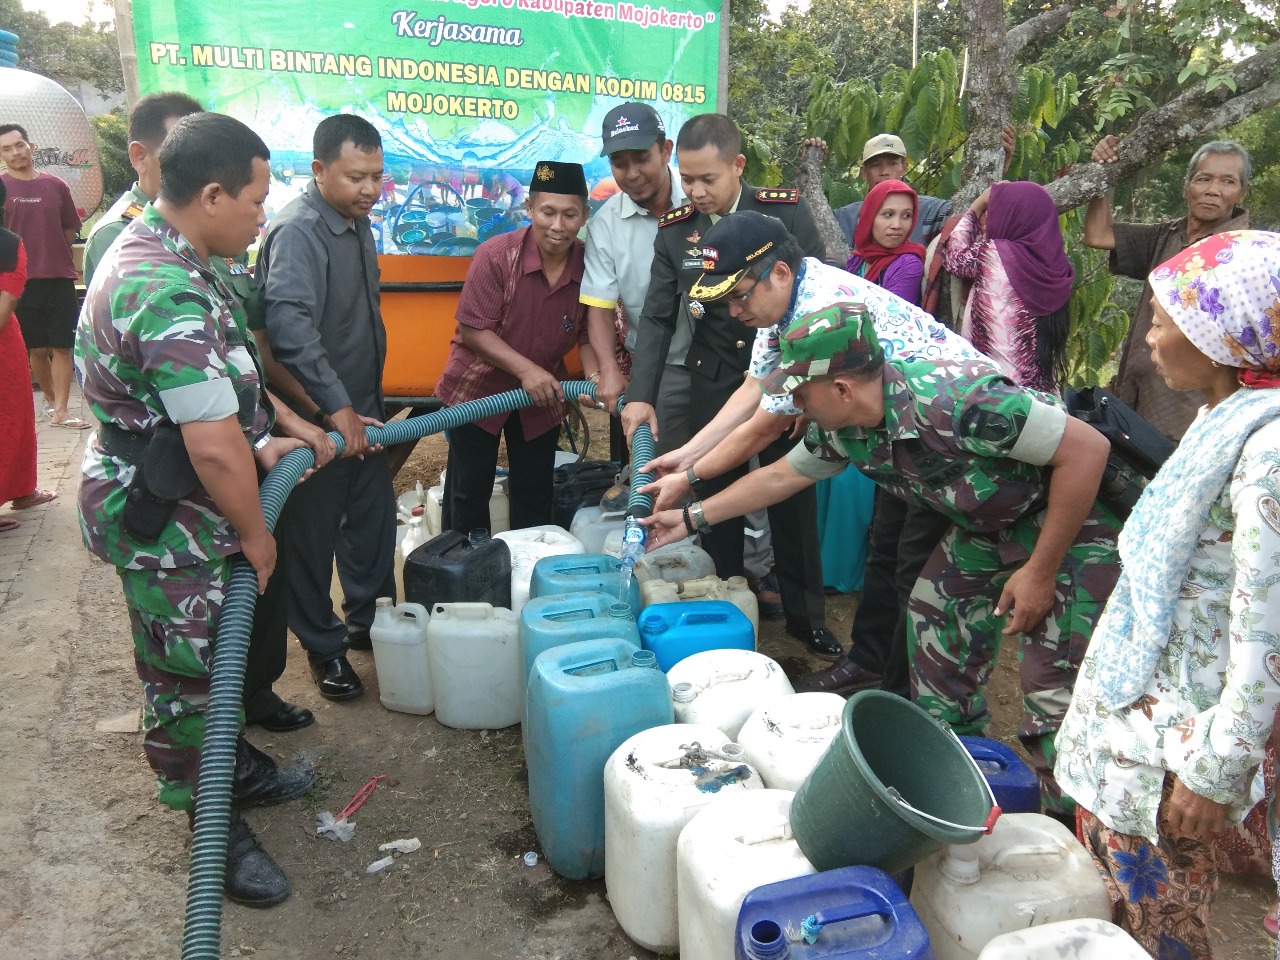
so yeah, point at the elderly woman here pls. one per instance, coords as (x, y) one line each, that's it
(1163, 742)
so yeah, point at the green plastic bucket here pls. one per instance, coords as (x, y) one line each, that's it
(892, 788)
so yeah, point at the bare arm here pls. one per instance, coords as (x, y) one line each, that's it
(603, 337)
(1097, 215)
(743, 442)
(223, 461)
(759, 488)
(1073, 486)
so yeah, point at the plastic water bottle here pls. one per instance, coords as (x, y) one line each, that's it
(633, 539)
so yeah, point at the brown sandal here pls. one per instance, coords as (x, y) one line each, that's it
(33, 499)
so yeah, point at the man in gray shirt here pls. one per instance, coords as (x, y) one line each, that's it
(319, 276)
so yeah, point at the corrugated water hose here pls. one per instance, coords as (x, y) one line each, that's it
(202, 932)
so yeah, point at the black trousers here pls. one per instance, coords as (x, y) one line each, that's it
(468, 482)
(268, 639)
(345, 512)
(903, 537)
(797, 553)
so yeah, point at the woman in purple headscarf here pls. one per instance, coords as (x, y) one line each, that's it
(1010, 245)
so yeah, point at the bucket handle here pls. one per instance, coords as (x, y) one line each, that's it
(988, 825)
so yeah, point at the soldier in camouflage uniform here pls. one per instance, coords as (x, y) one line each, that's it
(1031, 553)
(150, 120)
(163, 344)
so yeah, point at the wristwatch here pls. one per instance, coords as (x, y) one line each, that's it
(318, 417)
(699, 521)
(694, 479)
(261, 440)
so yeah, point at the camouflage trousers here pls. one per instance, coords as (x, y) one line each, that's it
(954, 636)
(174, 618)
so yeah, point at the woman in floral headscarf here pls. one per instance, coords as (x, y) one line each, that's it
(1163, 743)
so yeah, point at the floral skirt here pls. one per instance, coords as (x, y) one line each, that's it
(1161, 892)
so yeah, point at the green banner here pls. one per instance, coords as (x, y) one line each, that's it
(467, 94)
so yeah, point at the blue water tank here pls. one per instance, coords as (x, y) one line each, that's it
(854, 913)
(1014, 783)
(557, 619)
(677, 630)
(578, 573)
(585, 699)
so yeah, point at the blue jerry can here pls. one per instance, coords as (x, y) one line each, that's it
(1014, 784)
(854, 913)
(677, 630)
(579, 573)
(585, 699)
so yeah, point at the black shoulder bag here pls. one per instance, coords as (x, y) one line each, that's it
(1137, 449)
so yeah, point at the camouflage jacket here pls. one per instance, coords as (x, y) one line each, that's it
(161, 340)
(956, 437)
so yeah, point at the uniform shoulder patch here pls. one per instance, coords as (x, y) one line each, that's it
(778, 195)
(132, 211)
(676, 215)
(190, 296)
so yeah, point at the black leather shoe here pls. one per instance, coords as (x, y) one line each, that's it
(359, 640)
(260, 782)
(844, 678)
(253, 878)
(336, 679)
(819, 641)
(288, 717)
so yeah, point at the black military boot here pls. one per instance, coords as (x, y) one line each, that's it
(259, 782)
(252, 878)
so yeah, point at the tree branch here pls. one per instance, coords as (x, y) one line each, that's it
(1193, 114)
(1032, 30)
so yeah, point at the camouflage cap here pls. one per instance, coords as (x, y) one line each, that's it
(839, 338)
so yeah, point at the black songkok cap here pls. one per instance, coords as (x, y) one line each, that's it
(552, 176)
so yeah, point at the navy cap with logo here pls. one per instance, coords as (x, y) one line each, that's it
(731, 246)
(553, 176)
(631, 126)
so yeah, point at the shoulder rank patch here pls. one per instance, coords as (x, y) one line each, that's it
(131, 211)
(778, 195)
(676, 215)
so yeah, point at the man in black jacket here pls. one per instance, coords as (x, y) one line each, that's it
(709, 154)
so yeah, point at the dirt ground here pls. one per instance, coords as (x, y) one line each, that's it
(92, 867)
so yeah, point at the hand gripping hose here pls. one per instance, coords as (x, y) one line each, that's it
(202, 932)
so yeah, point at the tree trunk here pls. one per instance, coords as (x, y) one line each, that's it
(991, 98)
(809, 183)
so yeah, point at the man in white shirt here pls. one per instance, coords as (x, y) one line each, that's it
(620, 253)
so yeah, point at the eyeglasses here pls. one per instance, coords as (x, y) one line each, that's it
(740, 299)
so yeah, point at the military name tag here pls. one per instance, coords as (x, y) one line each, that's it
(692, 263)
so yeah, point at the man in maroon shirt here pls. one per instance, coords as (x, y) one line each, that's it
(518, 315)
(40, 210)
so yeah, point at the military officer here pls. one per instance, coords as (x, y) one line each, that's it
(150, 121)
(1030, 555)
(710, 159)
(169, 487)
